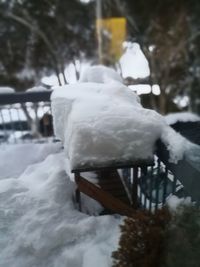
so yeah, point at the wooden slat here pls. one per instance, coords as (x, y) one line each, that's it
(110, 181)
(115, 165)
(106, 199)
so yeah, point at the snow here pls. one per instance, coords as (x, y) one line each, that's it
(40, 225)
(6, 90)
(133, 62)
(37, 89)
(142, 89)
(175, 143)
(103, 123)
(99, 74)
(173, 202)
(172, 118)
(14, 159)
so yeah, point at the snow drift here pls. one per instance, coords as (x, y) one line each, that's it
(39, 223)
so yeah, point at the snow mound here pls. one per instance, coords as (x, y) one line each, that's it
(172, 118)
(40, 225)
(103, 124)
(14, 159)
(6, 90)
(100, 74)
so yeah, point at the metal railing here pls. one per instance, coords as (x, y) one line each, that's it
(25, 117)
(155, 185)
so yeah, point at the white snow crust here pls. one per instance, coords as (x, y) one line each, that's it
(37, 89)
(181, 116)
(40, 225)
(102, 124)
(14, 159)
(99, 74)
(6, 90)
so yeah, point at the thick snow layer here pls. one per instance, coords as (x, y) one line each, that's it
(37, 89)
(39, 223)
(14, 159)
(102, 124)
(179, 147)
(6, 90)
(99, 74)
(181, 116)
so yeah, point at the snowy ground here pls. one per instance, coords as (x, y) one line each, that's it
(39, 223)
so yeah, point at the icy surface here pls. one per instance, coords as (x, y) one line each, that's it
(99, 74)
(6, 90)
(39, 223)
(102, 124)
(181, 116)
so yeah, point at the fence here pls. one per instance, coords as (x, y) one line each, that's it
(25, 117)
(152, 185)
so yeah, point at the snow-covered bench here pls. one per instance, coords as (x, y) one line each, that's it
(103, 125)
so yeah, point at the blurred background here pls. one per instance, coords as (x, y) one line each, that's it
(154, 45)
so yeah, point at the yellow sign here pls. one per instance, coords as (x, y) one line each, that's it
(111, 35)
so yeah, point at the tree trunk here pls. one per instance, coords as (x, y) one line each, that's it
(162, 101)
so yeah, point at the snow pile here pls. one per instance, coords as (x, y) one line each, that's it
(14, 159)
(6, 90)
(40, 225)
(99, 74)
(172, 118)
(102, 124)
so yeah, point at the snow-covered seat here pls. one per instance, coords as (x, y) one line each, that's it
(102, 124)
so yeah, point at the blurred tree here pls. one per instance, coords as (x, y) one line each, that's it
(41, 37)
(169, 33)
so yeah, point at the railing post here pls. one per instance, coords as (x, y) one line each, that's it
(135, 188)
